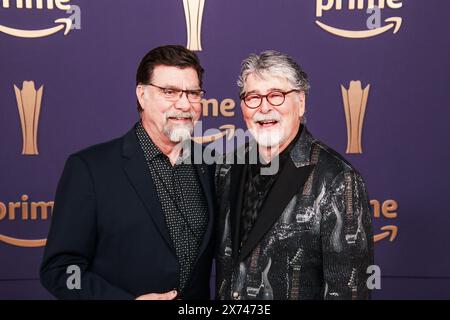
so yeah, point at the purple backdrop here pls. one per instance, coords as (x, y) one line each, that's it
(88, 97)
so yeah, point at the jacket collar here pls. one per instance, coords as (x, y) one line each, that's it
(291, 179)
(301, 152)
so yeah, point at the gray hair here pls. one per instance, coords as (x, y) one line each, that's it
(276, 64)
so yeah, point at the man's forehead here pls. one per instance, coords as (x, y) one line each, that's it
(172, 75)
(261, 82)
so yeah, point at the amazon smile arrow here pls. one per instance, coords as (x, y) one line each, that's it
(227, 130)
(389, 231)
(62, 24)
(393, 23)
(23, 242)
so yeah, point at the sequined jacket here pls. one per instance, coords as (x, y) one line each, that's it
(312, 239)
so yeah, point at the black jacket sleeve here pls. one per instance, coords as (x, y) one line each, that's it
(347, 239)
(72, 238)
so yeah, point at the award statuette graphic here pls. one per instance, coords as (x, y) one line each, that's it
(355, 102)
(193, 11)
(29, 105)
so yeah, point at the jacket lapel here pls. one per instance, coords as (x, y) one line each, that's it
(288, 184)
(136, 169)
(238, 176)
(205, 177)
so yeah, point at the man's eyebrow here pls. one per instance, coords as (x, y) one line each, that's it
(169, 86)
(259, 92)
(173, 87)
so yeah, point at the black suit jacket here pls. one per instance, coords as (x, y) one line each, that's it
(108, 221)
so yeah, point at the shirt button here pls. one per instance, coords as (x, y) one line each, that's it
(235, 295)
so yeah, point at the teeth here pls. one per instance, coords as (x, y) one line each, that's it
(267, 121)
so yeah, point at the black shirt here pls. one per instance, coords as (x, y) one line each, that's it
(182, 201)
(257, 187)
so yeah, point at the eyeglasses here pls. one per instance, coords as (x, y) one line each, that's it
(275, 98)
(174, 94)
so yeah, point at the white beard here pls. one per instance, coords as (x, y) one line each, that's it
(268, 138)
(178, 133)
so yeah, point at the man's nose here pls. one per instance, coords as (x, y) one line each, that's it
(265, 106)
(183, 102)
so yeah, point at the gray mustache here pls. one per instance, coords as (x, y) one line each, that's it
(266, 117)
(183, 115)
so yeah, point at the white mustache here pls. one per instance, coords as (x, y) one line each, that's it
(182, 115)
(266, 117)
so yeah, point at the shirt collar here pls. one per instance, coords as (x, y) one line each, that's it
(150, 149)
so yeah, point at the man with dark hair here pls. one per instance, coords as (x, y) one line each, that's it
(131, 215)
(302, 231)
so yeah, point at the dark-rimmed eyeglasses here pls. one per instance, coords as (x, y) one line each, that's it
(275, 98)
(175, 94)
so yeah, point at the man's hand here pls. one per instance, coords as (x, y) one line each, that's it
(158, 296)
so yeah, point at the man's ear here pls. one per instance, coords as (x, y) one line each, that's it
(302, 103)
(140, 92)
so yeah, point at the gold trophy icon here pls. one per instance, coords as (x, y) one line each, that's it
(193, 11)
(355, 102)
(29, 104)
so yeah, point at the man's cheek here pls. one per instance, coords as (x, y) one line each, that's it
(197, 110)
(196, 117)
(247, 117)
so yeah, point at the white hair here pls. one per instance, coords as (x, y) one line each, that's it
(273, 63)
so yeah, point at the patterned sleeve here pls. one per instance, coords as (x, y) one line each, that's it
(347, 238)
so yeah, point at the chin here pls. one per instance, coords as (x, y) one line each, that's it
(269, 138)
(179, 134)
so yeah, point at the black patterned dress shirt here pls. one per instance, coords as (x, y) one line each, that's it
(182, 201)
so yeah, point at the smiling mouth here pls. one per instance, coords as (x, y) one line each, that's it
(267, 123)
(180, 119)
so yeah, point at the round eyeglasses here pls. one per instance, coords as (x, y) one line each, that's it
(275, 98)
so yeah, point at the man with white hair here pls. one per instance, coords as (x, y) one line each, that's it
(303, 231)
(133, 215)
